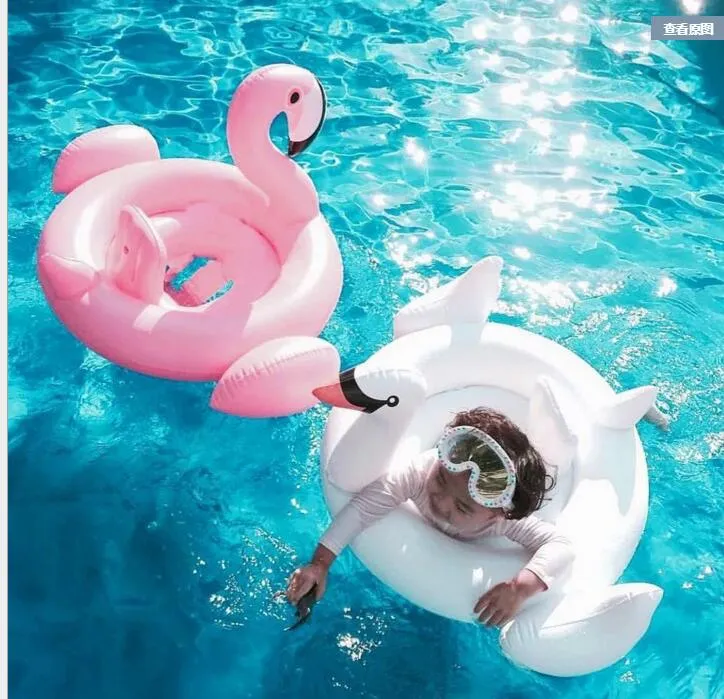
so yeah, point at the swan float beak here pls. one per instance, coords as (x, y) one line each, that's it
(346, 393)
(300, 144)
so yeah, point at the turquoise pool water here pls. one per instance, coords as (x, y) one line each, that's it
(148, 533)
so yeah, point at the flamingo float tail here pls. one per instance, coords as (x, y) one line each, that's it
(101, 150)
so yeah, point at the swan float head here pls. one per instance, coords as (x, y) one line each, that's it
(386, 399)
(368, 389)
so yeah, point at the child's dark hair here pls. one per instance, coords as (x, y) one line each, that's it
(532, 479)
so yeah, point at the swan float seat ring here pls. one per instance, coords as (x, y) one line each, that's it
(132, 224)
(446, 357)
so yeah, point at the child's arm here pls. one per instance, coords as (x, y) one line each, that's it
(371, 503)
(553, 554)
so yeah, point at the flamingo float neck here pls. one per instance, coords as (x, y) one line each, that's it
(292, 198)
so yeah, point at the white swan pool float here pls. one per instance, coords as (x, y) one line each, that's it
(445, 357)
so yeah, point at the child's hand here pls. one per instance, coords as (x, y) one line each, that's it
(304, 579)
(501, 603)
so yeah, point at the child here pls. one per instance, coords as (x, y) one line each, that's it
(484, 479)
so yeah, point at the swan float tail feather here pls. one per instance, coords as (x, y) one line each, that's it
(469, 298)
(582, 632)
(625, 409)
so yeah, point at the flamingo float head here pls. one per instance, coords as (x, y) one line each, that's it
(270, 91)
(306, 108)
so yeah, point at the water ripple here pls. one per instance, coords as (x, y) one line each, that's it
(552, 133)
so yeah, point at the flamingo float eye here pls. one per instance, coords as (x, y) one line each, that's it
(393, 401)
(294, 98)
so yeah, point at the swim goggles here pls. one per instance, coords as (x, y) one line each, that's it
(492, 481)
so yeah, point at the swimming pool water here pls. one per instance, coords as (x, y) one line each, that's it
(148, 533)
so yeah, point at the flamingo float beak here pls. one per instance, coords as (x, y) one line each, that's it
(348, 394)
(296, 147)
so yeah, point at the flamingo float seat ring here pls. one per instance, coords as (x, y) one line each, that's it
(446, 357)
(132, 224)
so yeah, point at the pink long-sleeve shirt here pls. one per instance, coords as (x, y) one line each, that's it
(552, 552)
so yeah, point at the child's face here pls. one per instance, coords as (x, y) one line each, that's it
(450, 500)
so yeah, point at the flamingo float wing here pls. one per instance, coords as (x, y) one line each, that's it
(277, 378)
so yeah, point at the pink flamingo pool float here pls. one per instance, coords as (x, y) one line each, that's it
(110, 253)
